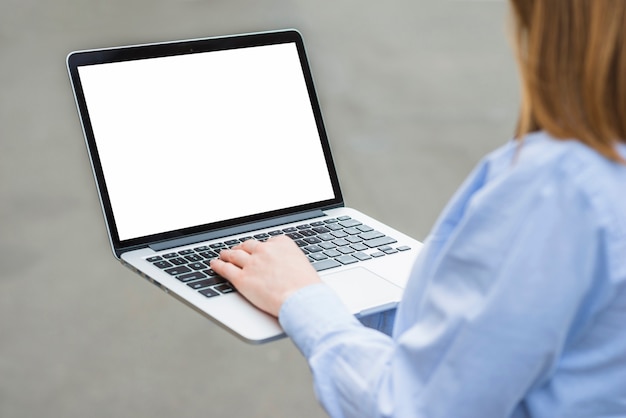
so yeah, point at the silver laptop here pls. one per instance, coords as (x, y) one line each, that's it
(168, 124)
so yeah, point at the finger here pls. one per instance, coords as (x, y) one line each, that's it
(227, 270)
(249, 246)
(281, 238)
(235, 256)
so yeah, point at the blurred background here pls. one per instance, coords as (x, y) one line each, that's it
(413, 92)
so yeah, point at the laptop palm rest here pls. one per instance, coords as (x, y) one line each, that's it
(361, 290)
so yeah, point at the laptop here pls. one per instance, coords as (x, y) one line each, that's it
(168, 124)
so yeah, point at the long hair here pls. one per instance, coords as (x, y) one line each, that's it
(572, 59)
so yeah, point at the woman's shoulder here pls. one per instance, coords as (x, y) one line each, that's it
(577, 177)
(539, 158)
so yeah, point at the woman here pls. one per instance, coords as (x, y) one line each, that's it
(517, 303)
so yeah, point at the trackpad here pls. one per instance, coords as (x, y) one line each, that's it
(361, 290)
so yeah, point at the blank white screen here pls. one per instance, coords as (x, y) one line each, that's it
(194, 139)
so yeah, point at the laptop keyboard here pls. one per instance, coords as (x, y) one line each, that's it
(327, 243)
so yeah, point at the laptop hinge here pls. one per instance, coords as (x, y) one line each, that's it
(242, 229)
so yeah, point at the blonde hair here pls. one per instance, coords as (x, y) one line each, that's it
(572, 58)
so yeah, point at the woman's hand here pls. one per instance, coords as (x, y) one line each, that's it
(266, 273)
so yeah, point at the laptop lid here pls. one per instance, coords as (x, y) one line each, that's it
(168, 124)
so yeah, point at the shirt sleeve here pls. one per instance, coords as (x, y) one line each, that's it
(341, 351)
(503, 294)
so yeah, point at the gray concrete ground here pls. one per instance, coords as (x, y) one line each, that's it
(413, 93)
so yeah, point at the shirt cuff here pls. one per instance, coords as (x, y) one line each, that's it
(311, 313)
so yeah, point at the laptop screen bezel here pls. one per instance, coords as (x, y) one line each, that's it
(146, 51)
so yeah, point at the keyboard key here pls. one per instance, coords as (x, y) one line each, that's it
(198, 285)
(210, 272)
(208, 254)
(178, 261)
(211, 281)
(185, 252)
(349, 223)
(163, 264)
(313, 248)
(327, 245)
(225, 288)
(209, 293)
(346, 259)
(359, 246)
(345, 250)
(341, 242)
(353, 239)
(325, 264)
(332, 253)
(196, 275)
(196, 266)
(379, 242)
(404, 248)
(371, 235)
(193, 258)
(361, 256)
(339, 234)
(155, 258)
(318, 256)
(175, 271)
